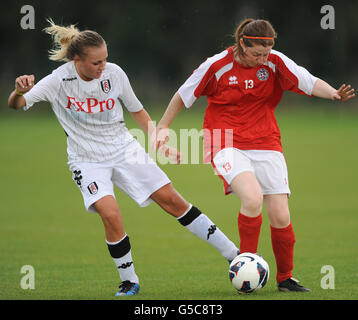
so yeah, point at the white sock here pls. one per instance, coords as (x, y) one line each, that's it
(122, 257)
(201, 226)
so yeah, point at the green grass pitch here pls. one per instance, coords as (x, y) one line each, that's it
(43, 222)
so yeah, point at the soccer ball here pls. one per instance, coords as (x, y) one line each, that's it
(248, 272)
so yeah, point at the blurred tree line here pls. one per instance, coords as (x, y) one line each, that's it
(159, 43)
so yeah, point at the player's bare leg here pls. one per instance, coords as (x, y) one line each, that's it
(118, 244)
(277, 209)
(107, 208)
(170, 200)
(194, 220)
(247, 188)
(283, 240)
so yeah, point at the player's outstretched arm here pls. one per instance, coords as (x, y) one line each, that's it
(322, 89)
(144, 120)
(22, 85)
(174, 107)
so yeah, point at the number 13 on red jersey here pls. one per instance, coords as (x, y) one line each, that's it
(249, 84)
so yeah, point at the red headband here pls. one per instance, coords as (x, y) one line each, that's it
(258, 38)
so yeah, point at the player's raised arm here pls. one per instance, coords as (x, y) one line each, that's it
(23, 84)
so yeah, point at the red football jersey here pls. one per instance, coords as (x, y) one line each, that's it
(242, 100)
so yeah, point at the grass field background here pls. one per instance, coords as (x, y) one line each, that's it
(43, 222)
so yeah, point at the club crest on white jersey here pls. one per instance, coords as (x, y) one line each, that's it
(106, 85)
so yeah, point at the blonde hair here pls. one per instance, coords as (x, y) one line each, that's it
(69, 41)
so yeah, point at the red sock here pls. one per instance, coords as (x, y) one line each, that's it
(283, 241)
(249, 231)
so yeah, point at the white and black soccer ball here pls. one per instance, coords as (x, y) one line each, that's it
(248, 272)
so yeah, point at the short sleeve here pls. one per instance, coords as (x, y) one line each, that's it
(294, 77)
(203, 80)
(127, 94)
(44, 90)
(195, 86)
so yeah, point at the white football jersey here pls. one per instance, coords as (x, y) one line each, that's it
(90, 112)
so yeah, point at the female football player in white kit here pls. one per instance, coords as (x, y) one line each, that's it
(84, 94)
(243, 85)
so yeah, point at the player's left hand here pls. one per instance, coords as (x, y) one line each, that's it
(344, 93)
(171, 153)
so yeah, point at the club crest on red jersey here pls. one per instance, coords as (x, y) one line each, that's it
(106, 85)
(92, 188)
(262, 74)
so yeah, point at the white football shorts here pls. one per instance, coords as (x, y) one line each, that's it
(268, 166)
(133, 171)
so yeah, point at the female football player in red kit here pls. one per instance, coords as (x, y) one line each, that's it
(243, 85)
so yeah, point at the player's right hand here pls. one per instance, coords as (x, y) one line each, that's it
(161, 137)
(24, 83)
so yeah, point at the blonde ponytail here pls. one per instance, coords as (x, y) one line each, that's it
(62, 38)
(69, 41)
